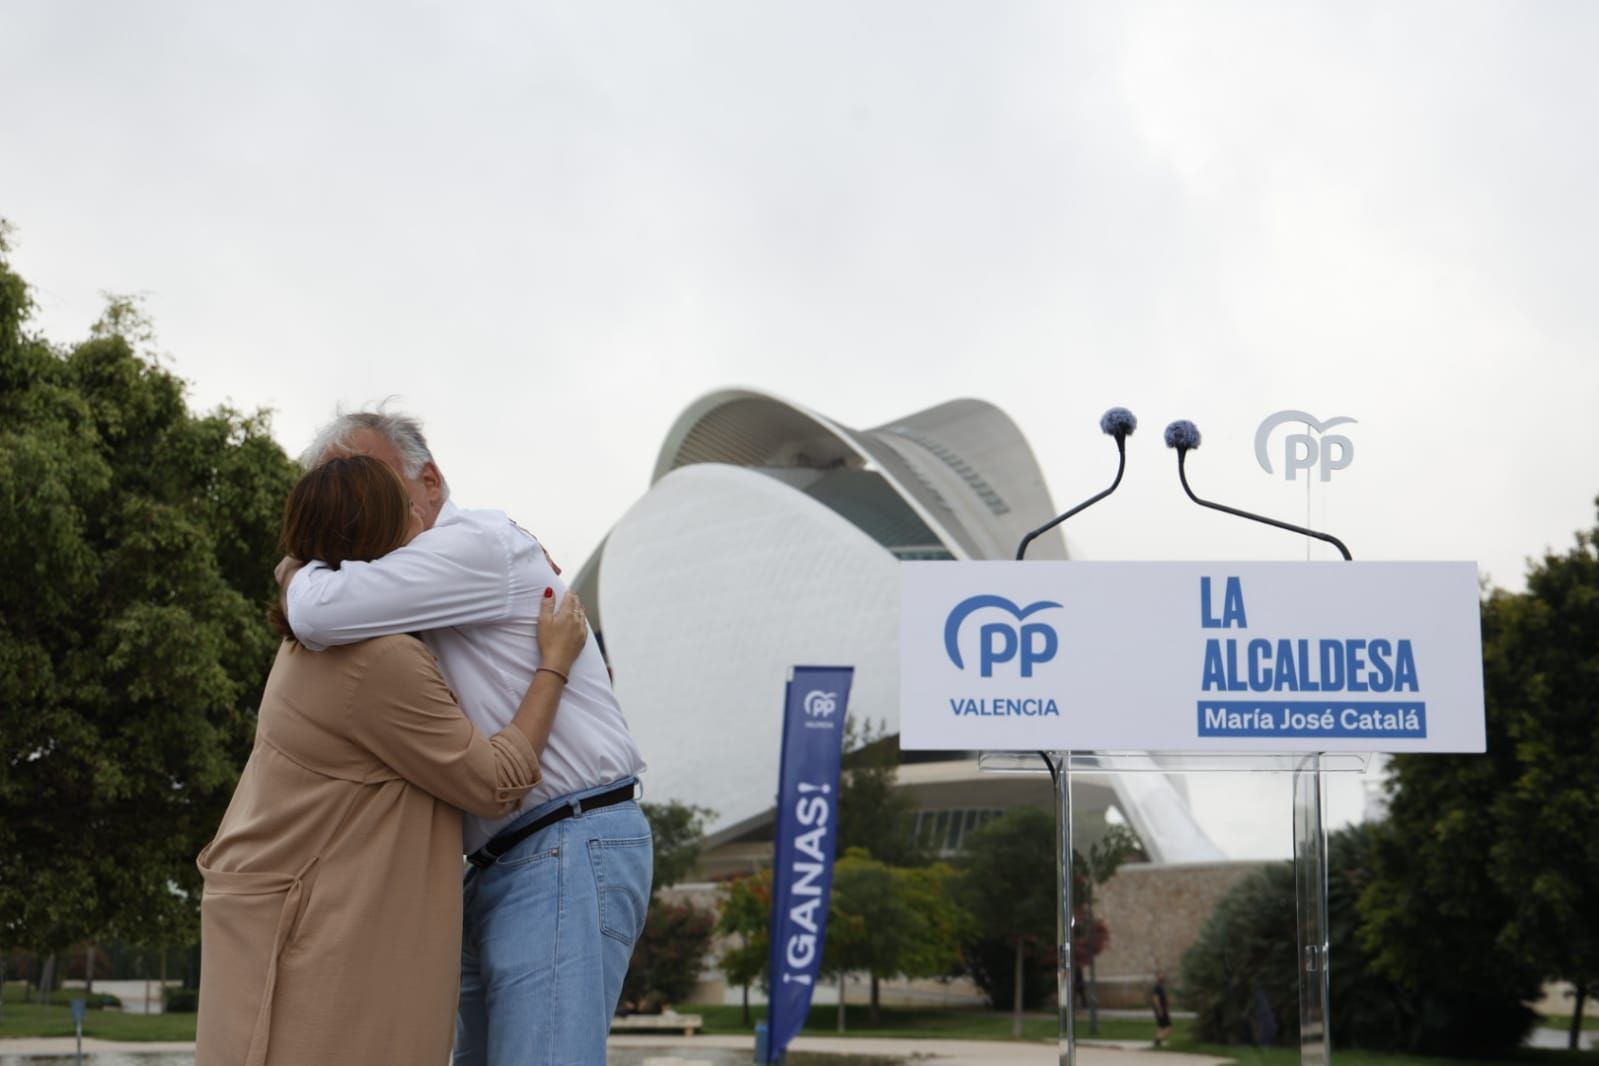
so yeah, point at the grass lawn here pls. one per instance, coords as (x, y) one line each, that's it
(946, 1023)
(950, 1023)
(55, 1019)
(974, 1024)
(32, 1019)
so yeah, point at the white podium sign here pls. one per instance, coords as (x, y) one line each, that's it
(1191, 657)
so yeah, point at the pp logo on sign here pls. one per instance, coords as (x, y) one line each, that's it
(1002, 641)
(819, 704)
(1301, 451)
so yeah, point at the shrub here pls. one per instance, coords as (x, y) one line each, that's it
(181, 1000)
(668, 956)
(1242, 966)
(98, 1001)
(1008, 887)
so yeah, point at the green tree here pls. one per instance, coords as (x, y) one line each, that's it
(677, 934)
(1431, 914)
(746, 921)
(676, 829)
(867, 920)
(1090, 935)
(1009, 889)
(668, 956)
(1494, 855)
(137, 542)
(1541, 675)
(943, 924)
(842, 949)
(872, 813)
(897, 922)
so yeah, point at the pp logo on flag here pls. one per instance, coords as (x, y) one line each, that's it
(820, 704)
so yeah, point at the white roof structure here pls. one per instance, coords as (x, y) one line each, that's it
(771, 538)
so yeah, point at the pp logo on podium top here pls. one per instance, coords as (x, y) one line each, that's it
(1301, 451)
(820, 704)
(1025, 643)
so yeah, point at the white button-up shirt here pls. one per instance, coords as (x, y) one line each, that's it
(471, 587)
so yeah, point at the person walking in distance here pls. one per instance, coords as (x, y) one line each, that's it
(556, 892)
(1157, 1000)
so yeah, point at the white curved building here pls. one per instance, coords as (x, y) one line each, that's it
(770, 538)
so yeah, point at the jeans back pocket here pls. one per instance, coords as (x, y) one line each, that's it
(622, 872)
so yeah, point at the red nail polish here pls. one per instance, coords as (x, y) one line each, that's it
(548, 592)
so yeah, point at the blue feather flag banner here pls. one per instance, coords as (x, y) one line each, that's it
(807, 838)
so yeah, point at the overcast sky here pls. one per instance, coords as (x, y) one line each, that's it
(547, 228)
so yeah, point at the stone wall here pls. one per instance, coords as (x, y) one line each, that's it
(1154, 914)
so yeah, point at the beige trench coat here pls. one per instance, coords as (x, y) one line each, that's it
(331, 921)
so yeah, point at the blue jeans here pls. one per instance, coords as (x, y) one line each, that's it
(547, 935)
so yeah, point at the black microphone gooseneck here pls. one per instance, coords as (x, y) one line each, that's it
(1310, 841)
(1119, 423)
(1184, 436)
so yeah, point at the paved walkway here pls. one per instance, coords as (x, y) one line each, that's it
(931, 1052)
(964, 1052)
(66, 1045)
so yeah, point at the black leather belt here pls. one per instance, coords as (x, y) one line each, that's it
(490, 853)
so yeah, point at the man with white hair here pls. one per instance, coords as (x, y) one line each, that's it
(556, 893)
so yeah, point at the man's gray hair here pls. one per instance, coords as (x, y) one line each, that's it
(403, 432)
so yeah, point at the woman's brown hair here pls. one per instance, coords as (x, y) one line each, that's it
(352, 507)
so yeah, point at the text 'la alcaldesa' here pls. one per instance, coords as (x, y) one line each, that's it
(1344, 666)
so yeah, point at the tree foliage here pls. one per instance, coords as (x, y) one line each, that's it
(1009, 889)
(1090, 934)
(675, 829)
(1240, 974)
(746, 923)
(668, 956)
(137, 542)
(677, 935)
(1481, 882)
(889, 921)
(872, 814)
(1495, 855)
(1116, 846)
(1243, 961)
(1541, 673)
(942, 924)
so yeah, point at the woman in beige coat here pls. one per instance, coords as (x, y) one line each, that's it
(331, 920)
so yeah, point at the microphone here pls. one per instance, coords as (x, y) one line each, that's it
(1119, 423)
(1184, 436)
